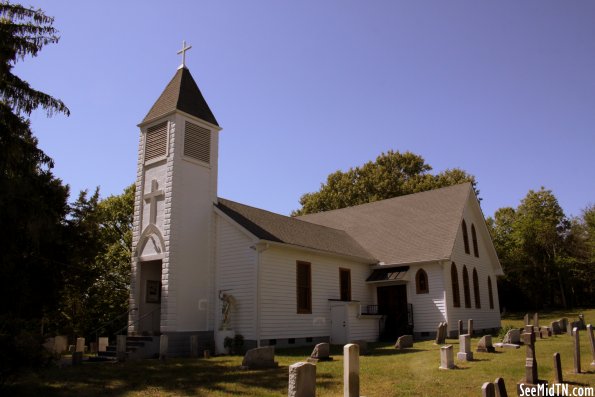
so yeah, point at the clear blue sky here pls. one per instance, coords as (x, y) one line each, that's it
(503, 89)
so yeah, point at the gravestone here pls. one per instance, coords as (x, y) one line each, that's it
(260, 357)
(531, 376)
(577, 351)
(581, 320)
(363, 346)
(536, 320)
(447, 357)
(80, 345)
(465, 353)
(564, 324)
(194, 346)
(555, 327)
(60, 344)
(485, 344)
(507, 345)
(557, 369)
(121, 348)
(572, 326)
(529, 329)
(545, 332)
(440, 334)
(302, 380)
(526, 319)
(488, 390)
(77, 358)
(351, 370)
(460, 328)
(93, 347)
(500, 388)
(470, 327)
(163, 347)
(321, 352)
(404, 341)
(512, 336)
(592, 340)
(102, 342)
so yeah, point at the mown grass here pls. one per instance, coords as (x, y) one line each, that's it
(384, 372)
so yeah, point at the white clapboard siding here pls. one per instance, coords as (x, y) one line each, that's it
(484, 317)
(428, 309)
(279, 317)
(236, 274)
(362, 327)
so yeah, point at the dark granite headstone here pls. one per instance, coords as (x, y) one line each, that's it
(557, 369)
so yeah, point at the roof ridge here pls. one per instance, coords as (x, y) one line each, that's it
(289, 217)
(458, 185)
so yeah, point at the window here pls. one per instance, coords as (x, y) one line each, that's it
(465, 237)
(421, 282)
(304, 287)
(156, 141)
(476, 289)
(454, 276)
(345, 284)
(490, 293)
(474, 238)
(466, 287)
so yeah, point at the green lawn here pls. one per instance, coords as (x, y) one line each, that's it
(385, 372)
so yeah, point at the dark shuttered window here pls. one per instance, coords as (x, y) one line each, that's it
(345, 284)
(474, 238)
(197, 143)
(466, 287)
(156, 141)
(465, 237)
(304, 287)
(454, 278)
(476, 289)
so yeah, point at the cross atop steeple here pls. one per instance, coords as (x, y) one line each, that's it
(183, 52)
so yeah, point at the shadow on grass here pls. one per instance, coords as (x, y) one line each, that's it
(179, 376)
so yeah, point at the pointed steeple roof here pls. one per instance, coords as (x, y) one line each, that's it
(183, 94)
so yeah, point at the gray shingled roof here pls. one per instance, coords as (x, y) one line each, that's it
(407, 229)
(183, 94)
(273, 227)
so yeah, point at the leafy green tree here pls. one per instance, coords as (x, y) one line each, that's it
(392, 174)
(544, 254)
(98, 273)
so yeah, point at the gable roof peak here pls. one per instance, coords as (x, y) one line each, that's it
(181, 93)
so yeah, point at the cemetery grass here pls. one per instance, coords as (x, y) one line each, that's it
(384, 372)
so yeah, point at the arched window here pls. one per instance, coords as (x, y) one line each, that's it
(476, 289)
(474, 238)
(454, 276)
(465, 237)
(466, 287)
(421, 282)
(490, 293)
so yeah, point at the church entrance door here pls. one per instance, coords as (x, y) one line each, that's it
(149, 306)
(392, 304)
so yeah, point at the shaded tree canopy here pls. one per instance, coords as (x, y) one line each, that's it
(392, 174)
(545, 255)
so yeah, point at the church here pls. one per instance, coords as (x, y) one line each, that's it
(210, 267)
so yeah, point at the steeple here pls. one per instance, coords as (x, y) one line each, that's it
(183, 94)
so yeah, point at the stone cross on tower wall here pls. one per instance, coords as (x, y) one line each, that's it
(152, 198)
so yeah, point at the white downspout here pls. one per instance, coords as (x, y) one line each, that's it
(259, 247)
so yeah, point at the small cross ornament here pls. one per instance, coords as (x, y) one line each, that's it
(183, 52)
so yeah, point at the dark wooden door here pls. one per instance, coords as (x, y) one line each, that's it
(392, 303)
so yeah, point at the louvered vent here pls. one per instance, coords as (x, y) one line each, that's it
(197, 143)
(156, 141)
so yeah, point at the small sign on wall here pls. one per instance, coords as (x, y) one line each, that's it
(153, 291)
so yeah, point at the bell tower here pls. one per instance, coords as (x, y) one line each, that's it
(172, 286)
